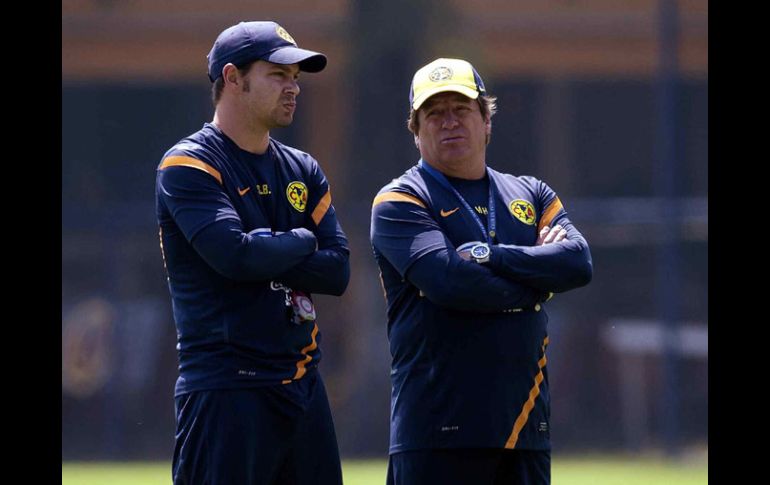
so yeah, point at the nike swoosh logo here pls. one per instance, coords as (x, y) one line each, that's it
(243, 192)
(448, 213)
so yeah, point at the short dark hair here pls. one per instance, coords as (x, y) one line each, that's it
(487, 105)
(219, 84)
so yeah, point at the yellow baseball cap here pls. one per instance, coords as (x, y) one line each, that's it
(444, 75)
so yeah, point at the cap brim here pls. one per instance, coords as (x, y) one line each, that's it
(308, 61)
(464, 90)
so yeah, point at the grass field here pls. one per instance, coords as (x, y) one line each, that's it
(585, 470)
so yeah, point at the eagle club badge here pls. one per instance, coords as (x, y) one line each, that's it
(440, 73)
(284, 35)
(523, 211)
(296, 192)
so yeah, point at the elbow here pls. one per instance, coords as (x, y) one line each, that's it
(585, 268)
(453, 287)
(582, 267)
(581, 274)
(336, 274)
(578, 273)
(584, 273)
(443, 295)
(341, 279)
(587, 272)
(241, 265)
(439, 298)
(230, 269)
(436, 290)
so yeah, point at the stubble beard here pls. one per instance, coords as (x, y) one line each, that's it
(277, 119)
(280, 120)
(280, 117)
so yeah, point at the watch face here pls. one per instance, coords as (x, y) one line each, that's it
(480, 251)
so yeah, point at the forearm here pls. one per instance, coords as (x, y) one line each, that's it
(555, 267)
(248, 257)
(326, 271)
(451, 282)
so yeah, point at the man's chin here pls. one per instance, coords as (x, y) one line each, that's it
(283, 122)
(455, 155)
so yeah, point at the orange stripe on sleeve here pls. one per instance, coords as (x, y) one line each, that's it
(302, 363)
(549, 214)
(533, 393)
(180, 161)
(323, 205)
(397, 197)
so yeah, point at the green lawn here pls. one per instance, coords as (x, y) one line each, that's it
(599, 470)
(586, 470)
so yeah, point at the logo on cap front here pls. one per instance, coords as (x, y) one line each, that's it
(284, 35)
(440, 73)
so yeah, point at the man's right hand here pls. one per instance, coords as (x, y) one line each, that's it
(464, 251)
(305, 234)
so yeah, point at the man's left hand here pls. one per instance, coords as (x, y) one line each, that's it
(550, 235)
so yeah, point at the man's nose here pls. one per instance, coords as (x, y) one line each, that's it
(450, 120)
(293, 87)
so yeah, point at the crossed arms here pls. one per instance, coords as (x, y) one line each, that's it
(313, 259)
(404, 233)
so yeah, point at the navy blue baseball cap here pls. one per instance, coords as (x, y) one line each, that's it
(249, 41)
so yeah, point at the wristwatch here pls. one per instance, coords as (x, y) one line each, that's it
(480, 253)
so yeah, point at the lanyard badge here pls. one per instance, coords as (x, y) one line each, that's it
(303, 307)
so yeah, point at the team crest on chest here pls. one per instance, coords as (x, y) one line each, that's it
(296, 192)
(523, 211)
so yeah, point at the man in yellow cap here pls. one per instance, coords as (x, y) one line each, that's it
(468, 257)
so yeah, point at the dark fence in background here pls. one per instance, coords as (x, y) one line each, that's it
(591, 140)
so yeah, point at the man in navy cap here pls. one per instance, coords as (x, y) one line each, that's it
(248, 233)
(468, 257)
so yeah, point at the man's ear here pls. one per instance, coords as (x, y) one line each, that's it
(417, 141)
(230, 74)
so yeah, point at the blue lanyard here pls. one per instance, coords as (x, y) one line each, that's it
(441, 179)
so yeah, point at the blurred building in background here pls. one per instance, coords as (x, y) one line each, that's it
(598, 98)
